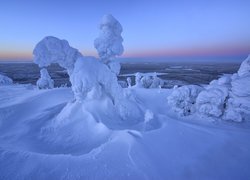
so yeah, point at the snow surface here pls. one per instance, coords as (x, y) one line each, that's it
(37, 143)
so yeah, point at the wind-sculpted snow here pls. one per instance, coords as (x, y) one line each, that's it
(109, 42)
(45, 81)
(182, 99)
(53, 50)
(47, 135)
(4, 80)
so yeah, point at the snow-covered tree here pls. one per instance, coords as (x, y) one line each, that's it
(212, 101)
(45, 81)
(4, 80)
(53, 50)
(109, 43)
(129, 81)
(244, 67)
(227, 98)
(183, 99)
(147, 81)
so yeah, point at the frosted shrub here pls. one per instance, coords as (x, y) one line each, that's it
(212, 101)
(147, 81)
(129, 81)
(245, 67)
(45, 81)
(4, 80)
(183, 99)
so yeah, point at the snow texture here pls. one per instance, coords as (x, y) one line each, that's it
(45, 81)
(4, 80)
(109, 43)
(53, 50)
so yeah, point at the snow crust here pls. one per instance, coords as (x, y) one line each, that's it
(45, 81)
(4, 80)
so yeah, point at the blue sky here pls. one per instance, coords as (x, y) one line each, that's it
(151, 28)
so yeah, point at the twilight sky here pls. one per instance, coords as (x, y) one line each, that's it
(150, 27)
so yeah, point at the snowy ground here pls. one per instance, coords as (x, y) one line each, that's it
(163, 146)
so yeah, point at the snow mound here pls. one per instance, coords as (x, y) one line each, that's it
(53, 50)
(45, 81)
(148, 81)
(182, 99)
(4, 80)
(109, 42)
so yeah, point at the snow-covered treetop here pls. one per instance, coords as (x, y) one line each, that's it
(244, 67)
(109, 42)
(53, 50)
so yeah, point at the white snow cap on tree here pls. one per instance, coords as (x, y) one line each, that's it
(4, 80)
(109, 42)
(45, 81)
(53, 50)
(244, 67)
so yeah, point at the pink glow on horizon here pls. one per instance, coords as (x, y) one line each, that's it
(202, 51)
(211, 51)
